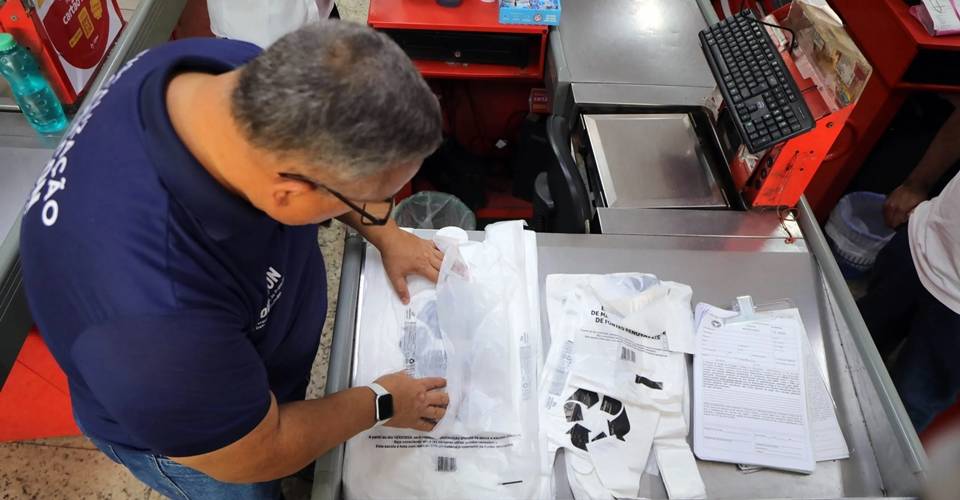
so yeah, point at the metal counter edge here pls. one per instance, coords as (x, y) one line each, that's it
(896, 413)
(328, 471)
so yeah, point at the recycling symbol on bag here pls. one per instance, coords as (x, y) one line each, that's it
(595, 417)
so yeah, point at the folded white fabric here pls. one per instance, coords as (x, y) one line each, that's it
(615, 383)
(479, 327)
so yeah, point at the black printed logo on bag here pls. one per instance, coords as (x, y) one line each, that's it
(595, 417)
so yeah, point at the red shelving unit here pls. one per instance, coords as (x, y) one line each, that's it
(473, 16)
(892, 40)
(466, 71)
(481, 101)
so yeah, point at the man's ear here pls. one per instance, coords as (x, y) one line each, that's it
(285, 190)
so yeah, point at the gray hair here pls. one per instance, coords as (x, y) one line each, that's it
(340, 95)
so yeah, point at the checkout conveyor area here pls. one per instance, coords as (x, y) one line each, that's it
(632, 119)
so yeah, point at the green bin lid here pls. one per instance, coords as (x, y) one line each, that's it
(7, 41)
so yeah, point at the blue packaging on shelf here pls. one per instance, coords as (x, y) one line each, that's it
(544, 12)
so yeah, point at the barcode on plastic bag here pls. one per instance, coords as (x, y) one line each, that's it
(446, 464)
(628, 354)
(526, 359)
(408, 343)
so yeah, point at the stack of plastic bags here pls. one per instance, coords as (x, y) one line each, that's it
(615, 392)
(478, 327)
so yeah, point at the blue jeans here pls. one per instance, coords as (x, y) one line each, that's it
(181, 482)
(898, 308)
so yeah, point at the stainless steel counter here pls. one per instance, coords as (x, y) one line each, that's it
(753, 258)
(645, 53)
(23, 154)
(756, 225)
(651, 161)
(626, 51)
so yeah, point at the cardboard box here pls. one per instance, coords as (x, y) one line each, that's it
(542, 12)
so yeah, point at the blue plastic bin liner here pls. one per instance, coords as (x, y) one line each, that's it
(857, 232)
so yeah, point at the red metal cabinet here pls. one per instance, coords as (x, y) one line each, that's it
(892, 41)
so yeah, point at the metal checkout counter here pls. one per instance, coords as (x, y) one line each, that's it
(672, 215)
(666, 210)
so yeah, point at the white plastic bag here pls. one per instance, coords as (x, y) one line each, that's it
(615, 384)
(478, 284)
(423, 345)
(263, 22)
(484, 317)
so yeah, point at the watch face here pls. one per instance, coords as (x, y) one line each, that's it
(385, 407)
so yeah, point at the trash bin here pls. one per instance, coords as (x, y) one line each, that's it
(857, 232)
(434, 210)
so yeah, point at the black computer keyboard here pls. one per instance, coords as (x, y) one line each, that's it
(766, 104)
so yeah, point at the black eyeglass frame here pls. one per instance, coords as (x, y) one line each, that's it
(366, 218)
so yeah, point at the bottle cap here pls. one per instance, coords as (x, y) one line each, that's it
(7, 42)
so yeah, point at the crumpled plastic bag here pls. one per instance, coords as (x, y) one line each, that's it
(479, 327)
(477, 285)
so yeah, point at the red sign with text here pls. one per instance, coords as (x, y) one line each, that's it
(69, 37)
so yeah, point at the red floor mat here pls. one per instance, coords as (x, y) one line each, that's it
(35, 401)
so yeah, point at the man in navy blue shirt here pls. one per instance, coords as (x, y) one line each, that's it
(170, 256)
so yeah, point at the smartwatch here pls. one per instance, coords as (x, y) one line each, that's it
(383, 404)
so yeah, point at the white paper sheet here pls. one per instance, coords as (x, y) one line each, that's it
(749, 396)
(828, 440)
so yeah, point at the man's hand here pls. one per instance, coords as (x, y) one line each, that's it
(417, 404)
(403, 254)
(901, 202)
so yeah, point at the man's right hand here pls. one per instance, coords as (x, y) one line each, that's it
(417, 404)
(901, 202)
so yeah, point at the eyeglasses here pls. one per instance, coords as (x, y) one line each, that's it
(366, 218)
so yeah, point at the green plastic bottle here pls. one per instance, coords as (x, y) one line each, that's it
(31, 90)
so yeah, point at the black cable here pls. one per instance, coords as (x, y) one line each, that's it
(793, 34)
(744, 6)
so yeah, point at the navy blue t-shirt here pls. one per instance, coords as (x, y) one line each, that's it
(173, 306)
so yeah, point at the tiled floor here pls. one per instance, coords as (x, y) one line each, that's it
(71, 468)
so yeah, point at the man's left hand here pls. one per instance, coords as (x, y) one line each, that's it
(404, 254)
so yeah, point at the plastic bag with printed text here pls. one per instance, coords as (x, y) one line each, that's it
(479, 327)
(614, 395)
